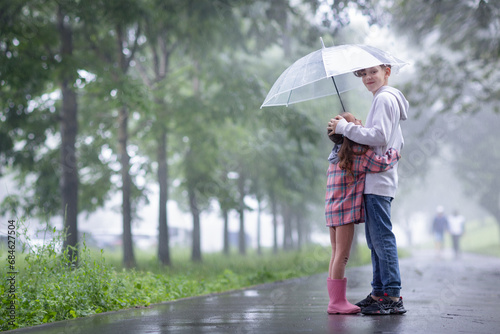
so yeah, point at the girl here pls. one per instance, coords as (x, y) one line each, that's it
(344, 206)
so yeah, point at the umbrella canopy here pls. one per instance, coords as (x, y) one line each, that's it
(326, 72)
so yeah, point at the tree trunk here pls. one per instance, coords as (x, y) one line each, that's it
(225, 215)
(287, 228)
(259, 221)
(195, 211)
(299, 225)
(274, 210)
(498, 221)
(163, 237)
(241, 210)
(128, 249)
(69, 128)
(161, 59)
(490, 201)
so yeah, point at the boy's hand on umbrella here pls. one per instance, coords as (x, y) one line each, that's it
(333, 124)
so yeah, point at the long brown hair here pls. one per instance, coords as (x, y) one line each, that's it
(346, 153)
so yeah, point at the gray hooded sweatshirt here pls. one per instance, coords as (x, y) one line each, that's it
(381, 132)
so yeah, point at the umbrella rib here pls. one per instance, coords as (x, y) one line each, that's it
(289, 95)
(306, 61)
(335, 84)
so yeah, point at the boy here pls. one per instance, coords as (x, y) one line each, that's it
(381, 131)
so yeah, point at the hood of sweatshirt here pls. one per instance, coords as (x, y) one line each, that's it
(403, 103)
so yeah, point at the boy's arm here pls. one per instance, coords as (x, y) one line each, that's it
(373, 136)
(376, 163)
(376, 135)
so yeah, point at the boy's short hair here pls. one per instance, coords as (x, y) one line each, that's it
(358, 72)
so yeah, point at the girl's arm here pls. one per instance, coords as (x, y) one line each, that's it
(375, 163)
(333, 158)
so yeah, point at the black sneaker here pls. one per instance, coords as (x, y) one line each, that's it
(397, 307)
(366, 302)
(384, 306)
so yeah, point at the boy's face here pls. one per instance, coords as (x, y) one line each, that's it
(375, 77)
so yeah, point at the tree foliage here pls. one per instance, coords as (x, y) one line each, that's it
(461, 43)
(167, 93)
(455, 89)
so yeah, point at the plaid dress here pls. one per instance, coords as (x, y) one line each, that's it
(344, 202)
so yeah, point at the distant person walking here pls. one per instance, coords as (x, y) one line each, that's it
(439, 227)
(456, 227)
(344, 207)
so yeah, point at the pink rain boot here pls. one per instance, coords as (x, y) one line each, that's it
(338, 303)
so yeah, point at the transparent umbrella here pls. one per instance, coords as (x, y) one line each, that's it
(326, 72)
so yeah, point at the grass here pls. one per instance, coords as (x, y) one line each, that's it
(49, 287)
(482, 237)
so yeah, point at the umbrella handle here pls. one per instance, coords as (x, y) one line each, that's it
(340, 98)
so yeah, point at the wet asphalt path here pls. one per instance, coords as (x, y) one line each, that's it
(442, 296)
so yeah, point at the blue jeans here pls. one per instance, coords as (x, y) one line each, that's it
(382, 243)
